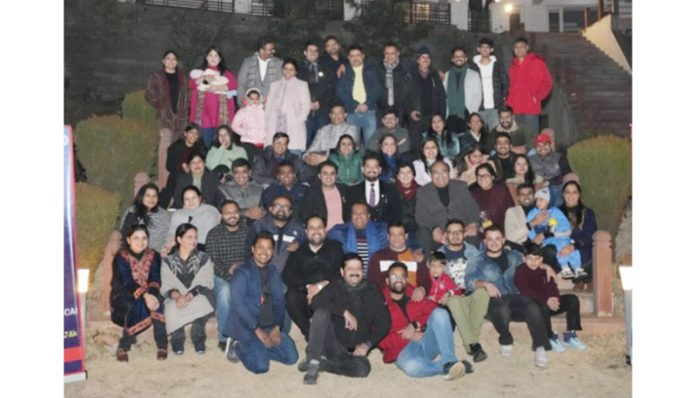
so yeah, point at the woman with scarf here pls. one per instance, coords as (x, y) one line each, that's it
(390, 157)
(430, 152)
(449, 145)
(407, 187)
(584, 225)
(203, 216)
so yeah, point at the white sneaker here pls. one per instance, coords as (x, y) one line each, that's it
(580, 273)
(506, 350)
(540, 359)
(567, 273)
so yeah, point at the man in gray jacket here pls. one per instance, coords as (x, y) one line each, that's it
(464, 90)
(259, 69)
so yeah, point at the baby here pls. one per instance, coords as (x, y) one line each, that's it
(441, 285)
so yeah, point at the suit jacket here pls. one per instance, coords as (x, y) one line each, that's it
(250, 76)
(431, 213)
(388, 208)
(314, 203)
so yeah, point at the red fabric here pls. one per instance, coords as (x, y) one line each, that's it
(393, 343)
(441, 286)
(530, 83)
(211, 110)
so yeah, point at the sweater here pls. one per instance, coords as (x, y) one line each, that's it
(494, 201)
(534, 284)
(304, 266)
(380, 261)
(204, 217)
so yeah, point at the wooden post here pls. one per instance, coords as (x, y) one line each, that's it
(140, 179)
(602, 274)
(587, 17)
(600, 9)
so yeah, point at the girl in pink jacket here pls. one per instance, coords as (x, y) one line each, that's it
(250, 122)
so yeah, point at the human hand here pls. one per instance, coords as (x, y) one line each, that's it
(151, 302)
(407, 332)
(538, 239)
(293, 246)
(553, 303)
(313, 289)
(418, 294)
(492, 290)
(444, 299)
(314, 106)
(351, 322)
(550, 273)
(417, 335)
(361, 350)
(362, 108)
(341, 70)
(471, 230)
(415, 116)
(540, 218)
(185, 167)
(274, 337)
(438, 235)
(263, 336)
(181, 301)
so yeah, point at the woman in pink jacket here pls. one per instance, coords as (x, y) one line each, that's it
(250, 121)
(212, 91)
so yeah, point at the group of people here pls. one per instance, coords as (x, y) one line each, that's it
(372, 204)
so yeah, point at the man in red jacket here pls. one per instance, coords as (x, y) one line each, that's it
(419, 332)
(530, 83)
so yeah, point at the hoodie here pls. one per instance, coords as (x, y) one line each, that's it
(530, 83)
(250, 122)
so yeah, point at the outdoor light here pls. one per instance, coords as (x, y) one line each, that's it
(626, 272)
(82, 280)
(509, 8)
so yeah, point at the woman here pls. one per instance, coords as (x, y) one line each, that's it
(407, 186)
(211, 102)
(449, 145)
(430, 152)
(226, 148)
(199, 176)
(523, 174)
(135, 297)
(348, 160)
(476, 135)
(203, 216)
(145, 211)
(167, 93)
(187, 284)
(178, 155)
(493, 198)
(287, 108)
(389, 152)
(584, 225)
(467, 163)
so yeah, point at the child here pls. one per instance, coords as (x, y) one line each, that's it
(250, 122)
(532, 282)
(556, 231)
(441, 285)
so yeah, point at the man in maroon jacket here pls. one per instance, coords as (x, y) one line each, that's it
(419, 332)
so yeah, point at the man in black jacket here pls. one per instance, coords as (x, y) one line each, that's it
(321, 81)
(394, 76)
(381, 197)
(315, 199)
(309, 269)
(350, 318)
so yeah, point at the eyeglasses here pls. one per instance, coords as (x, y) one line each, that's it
(397, 278)
(457, 232)
(281, 207)
(483, 176)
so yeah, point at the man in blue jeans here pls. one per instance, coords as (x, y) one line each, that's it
(257, 311)
(420, 331)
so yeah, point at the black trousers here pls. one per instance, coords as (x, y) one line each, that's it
(299, 310)
(197, 332)
(518, 308)
(323, 341)
(570, 304)
(160, 330)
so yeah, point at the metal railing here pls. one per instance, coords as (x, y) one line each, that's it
(207, 5)
(261, 8)
(436, 13)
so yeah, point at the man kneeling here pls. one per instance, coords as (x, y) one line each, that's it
(349, 315)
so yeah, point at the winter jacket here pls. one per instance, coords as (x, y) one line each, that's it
(293, 231)
(209, 189)
(501, 81)
(431, 213)
(291, 98)
(304, 266)
(473, 91)
(380, 261)
(349, 168)
(217, 156)
(323, 90)
(376, 233)
(157, 95)
(438, 100)
(530, 83)
(481, 267)
(402, 75)
(266, 167)
(344, 88)
(250, 122)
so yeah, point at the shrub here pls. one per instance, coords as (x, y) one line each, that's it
(96, 211)
(136, 108)
(114, 150)
(604, 166)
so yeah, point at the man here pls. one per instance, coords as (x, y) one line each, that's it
(332, 57)
(325, 197)
(321, 83)
(381, 197)
(464, 92)
(469, 309)
(350, 318)
(494, 79)
(397, 251)
(441, 200)
(286, 184)
(358, 89)
(242, 190)
(426, 96)
(266, 163)
(503, 159)
(328, 136)
(390, 125)
(530, 84)
(419, 332)
(225, 244)
(521, 137)
(494, 270)
(259, 70)
(394, 77)
(257, 311)
(286, 231)
(361, 235)
(550, 165)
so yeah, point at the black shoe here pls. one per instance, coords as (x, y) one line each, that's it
(468, 368)
(453, 370)
(312, 373)
(178, 347)
(230, 346)
(222, 345)
(303, 365)
(199, 347)
(476, 351)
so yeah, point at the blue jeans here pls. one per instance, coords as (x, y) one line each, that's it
(416, 359)
(366, 121)
(208, 135)
(222, 304)
(530, 121)
(257, 358)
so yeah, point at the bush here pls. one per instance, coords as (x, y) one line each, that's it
(114, 150)
(136, 108)
(604, 166)
(96, 211)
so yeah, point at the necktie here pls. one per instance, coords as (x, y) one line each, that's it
(372, 194)
(313, 72)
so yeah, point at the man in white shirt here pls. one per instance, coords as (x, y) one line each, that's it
(495, 81)
(259, 70)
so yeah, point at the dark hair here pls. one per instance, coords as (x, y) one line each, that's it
(390, 44)
(532, 249)
(139, 207)
(437, 256)
(521, 40)
(331, 37)
(579, 211)
(355, 47)
(460, 161)
(484, 128)
(337, 103)
(372, 156)
(292, 62)
(503, 134)
(486, 40)
(384, 138)
(325, 164)
(221, 66)
(505, 108)
(349, 257)
(286, 197)
(454, 221)
(240, 162)
(281, 134)
(192, 126)
(286, 163)
(392, 111)
(323, 219)
(311, 43)
(175, 56)
(529, 175)
(135, 228)
(493, 228)
(234, 137)
(422, 154)
(401, 165)
(180, 232)
(228, 202)
(191, 188)
(262, 41)
(252, 91)
(337, 150)
(193, 155)
(525, 185)
(398, 264)
(487, 166)
(458, 48)
(263, 235)
(446, 134)
(396, 224)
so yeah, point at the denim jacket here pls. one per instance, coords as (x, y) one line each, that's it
(482, 268)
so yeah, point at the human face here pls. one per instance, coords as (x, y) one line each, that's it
(505, 120)
(346, 146)
(455, 235)
(267, 51)
(485, 50)
(389, 121)
(502, 147)
(262, 252)
(521, 167)
(280, 145)
(541, 203)
(571, 195)
(391, 54)
(150, 198)
(405, 176)
(230, 215)
(484, 179)
(224, 137)
(371, 170)
(311, 53)
(191, 199)
(475, 124)
(191, 137)
(281, 209)
(459, 58)
(213, 58)
(316, 231)
(359, 216)
(137, 242)
(188, 241)
(397, 280)
(327, 176)
(438, 124)
(533, 261)
(286, 176)
(397, 238)
(170, 62)
(337, 115)
(289, 71)
(494, 241)
(254, 98)
(356, 58)
(520, 49)
(423, 62)
(332, 47)
(543, 148)
(475, 158)
(440, 175)
(197, 166)
(526, 196)
(352, 272)
(241, 175)
(437, 268)
(388, 146)
(430, 150)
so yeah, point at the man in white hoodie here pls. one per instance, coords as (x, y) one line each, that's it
(494, 78)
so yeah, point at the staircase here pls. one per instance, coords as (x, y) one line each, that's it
(598, 90)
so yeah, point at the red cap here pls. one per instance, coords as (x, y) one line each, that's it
(542, 138)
